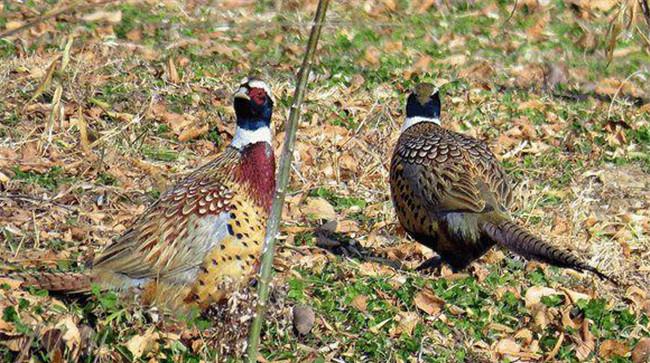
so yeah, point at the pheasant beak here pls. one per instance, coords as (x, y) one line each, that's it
(242, 93)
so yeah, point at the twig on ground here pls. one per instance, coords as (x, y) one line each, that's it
(75, 6)
(31, 199)
(611, 104)
(645, 8)
(512, 13)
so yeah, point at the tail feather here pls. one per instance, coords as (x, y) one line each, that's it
(518, 240)
(61, 282)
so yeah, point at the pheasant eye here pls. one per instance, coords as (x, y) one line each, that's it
(257, 95)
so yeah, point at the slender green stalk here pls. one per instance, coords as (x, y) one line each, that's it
(283, 178)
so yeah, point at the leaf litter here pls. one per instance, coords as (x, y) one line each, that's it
(148, 86)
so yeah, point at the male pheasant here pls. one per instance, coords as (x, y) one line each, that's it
(451, 194)
(203, 237)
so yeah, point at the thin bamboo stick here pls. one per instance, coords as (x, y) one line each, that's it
(283, 177)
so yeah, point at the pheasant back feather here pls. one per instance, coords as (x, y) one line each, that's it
(451, 194)
(434, 169)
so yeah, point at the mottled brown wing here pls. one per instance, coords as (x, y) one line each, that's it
(157, 243)
(437, 171)
(488, 166)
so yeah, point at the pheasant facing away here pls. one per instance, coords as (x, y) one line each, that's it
(203, 237)
(451, 194)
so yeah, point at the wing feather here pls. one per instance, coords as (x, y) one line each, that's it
(162, 241)
(453, 172)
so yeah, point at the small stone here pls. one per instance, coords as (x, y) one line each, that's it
(87, 335)
(641, 352)
(303, 319)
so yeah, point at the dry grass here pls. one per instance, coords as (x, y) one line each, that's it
(152, 92)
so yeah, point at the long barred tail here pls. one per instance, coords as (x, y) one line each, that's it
(518, 240)
(61, 282)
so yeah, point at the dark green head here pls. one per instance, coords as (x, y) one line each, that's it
(424, 101)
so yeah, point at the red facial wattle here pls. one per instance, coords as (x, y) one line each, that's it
(258, 95)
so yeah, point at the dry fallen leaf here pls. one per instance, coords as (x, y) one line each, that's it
(347, 226)
(498, 327)
(612, 86)
(172, 73)
(525, 335)
(138, 345)
(507, 346)
(176, 121)
(348, 162)
(535, 293)
(425, 5)
(611, 348)
(393, 47)
(13, 284)
(134, 35)
(319, 208)
(360, 302)
(602, 5)
(222, 49)
(423, 64)
(427, 301)
(575, 296)
(585, 342)
(567, 321)
(455, 60)
(527, 76)
(536, 31)
(534, 104)
(13, 342)
(112, 17)
(374, 269)
(71, 335)
(13, 24)
(481, 71)
(645, 108)
(372, 55)
(193, 133)
(406, 322)
(540, 312)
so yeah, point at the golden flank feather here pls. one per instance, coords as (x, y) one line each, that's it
(235, 258)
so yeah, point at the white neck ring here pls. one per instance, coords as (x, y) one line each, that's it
(244, 137)
(410, 121)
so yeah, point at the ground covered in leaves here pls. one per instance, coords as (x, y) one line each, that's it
(105, 105)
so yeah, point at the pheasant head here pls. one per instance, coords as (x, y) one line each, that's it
(422, 105)
(253, 105)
